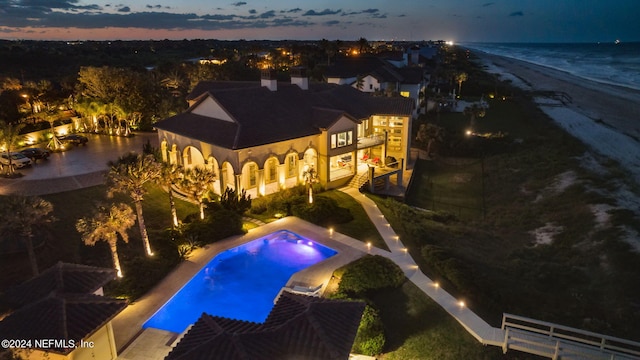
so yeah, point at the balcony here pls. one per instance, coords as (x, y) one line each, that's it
(370, 141)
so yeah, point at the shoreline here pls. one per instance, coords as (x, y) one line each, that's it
(615, 105)
(605, 117)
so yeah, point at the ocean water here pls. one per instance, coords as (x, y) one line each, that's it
(610, 63)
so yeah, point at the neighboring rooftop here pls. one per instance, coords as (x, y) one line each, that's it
(60, 278)
(298, 327)
(60, 304)
(61, 317)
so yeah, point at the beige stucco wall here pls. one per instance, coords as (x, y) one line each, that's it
(103, 349)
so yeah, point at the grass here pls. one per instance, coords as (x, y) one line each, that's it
(582, 278)
(64, 242)
(360, 227)
(418, 328)
(448, 186)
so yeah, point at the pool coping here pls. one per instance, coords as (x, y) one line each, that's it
(128, 324)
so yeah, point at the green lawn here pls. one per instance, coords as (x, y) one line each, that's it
(448, 185)
(418, 328)
(360, 227)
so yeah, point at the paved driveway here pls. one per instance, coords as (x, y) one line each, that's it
(81, 166)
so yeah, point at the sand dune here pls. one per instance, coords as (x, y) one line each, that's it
(605, 117)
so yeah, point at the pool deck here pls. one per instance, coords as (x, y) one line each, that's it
(134, 343)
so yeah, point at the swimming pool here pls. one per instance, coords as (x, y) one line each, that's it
(240, 283)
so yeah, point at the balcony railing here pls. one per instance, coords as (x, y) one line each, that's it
(370, 141)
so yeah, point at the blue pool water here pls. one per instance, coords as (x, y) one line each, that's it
(240, 283)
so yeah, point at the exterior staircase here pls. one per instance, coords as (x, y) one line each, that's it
(359, 180)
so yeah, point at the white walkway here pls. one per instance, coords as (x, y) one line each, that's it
(519, 337)
(483, 332)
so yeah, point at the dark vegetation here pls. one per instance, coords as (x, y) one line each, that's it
(485, 195)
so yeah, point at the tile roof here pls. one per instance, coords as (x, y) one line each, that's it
(61, 316)
(62, 277)
(298, 327)
(261, 116)
(60, 304)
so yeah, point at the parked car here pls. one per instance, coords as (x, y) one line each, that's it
(18, 160)
(74, 139)
(35, 153)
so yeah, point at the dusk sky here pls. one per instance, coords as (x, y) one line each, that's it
(455, 20)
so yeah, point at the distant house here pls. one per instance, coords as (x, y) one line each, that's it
(377, 75)
(263, 137)
(63, 304)
(298, 327)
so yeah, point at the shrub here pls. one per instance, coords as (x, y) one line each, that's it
(322, 211)
(449, 267)
(370, 338)
(370, 273)
(231, 201)
(217, 225)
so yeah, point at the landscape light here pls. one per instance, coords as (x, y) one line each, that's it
(461, 303)
(436, 284)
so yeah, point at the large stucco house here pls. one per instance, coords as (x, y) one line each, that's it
(263, 136)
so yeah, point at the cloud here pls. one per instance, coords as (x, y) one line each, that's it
(253, 11)
(487, 4)
(296, 10)
(322, 13)
(124, 9)
(239, 3)
(48, 5)
(157, 6)
(367, 11)
(331, 22)
(517, 13)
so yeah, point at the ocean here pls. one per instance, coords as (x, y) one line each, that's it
(617, 64)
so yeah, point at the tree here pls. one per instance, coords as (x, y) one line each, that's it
(21, 214)
(195, 183)
(360, 82)
(428, 134)
(460, 78)
(105, 225)
(130, 175)
(231, 201)
(474, 111)
(170, 175)
(9, 135)
(310, 176)
(363, 45)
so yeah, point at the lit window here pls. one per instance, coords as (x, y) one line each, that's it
(342, 139)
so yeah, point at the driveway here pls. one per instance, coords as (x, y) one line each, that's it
(81, 166)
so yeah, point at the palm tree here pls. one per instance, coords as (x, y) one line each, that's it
(130, 175)
(9, 135)
(105, 225)
(170, 175)
(310, 177)
(21, 214)
(460, 78)
(195, 183)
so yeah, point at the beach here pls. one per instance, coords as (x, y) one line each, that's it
(605, 117)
